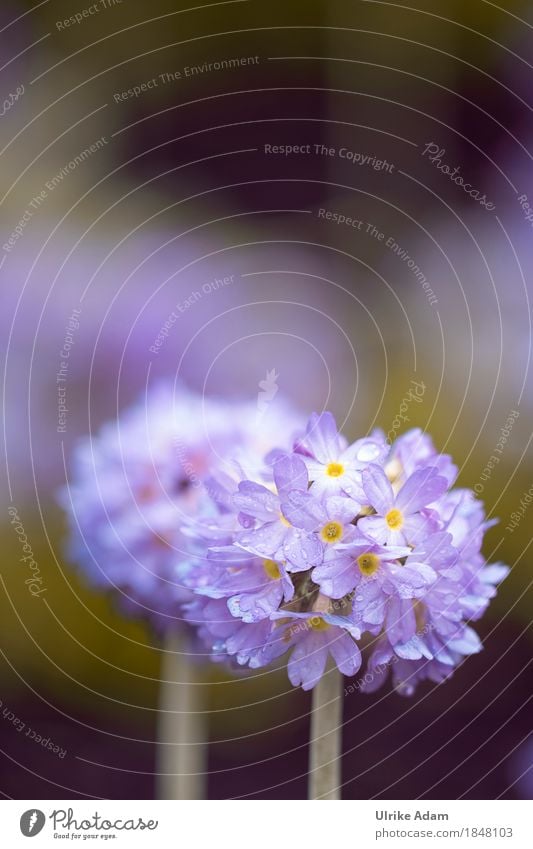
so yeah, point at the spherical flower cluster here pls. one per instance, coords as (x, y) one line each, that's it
(133, 485)
(332, 546)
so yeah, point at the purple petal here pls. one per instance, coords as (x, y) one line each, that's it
(286, 583)
(377, 489)
(303, 510)
(278, 643)
(341, 509)
(227, 554)
(256, 500)
(494, 573)
(369, 603)
(467, 643)
(411, 581)
(322, 437)
(216, 613)
(315, 469)
(324, 485)
(337, 575)
(414, 529)
(344, 623)
(308, 661)
(248, 641)
(440, 652)
(302, 550)
(345, 653)
(264, 542)
(245, 520)
(360, 543)
(252, 607)
(436, 550)
(290, 472)
(381, 656)
(374, 527)
(423, 487)
(400, 623)
(413, 649)
(352, 485)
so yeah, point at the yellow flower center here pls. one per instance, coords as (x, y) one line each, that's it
(368, 563)
(334, 470)
(284, 521)
(394, 519)
(271, 569)
(331, 532)
(318, 624)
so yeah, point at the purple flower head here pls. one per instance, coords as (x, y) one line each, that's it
(136, 497)
(291, 562)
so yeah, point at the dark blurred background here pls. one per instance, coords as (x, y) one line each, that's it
(179, 192)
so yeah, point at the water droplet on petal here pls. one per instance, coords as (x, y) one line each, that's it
(368, 452)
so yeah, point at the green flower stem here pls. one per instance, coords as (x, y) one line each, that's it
(182, 731)
(326, 737)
